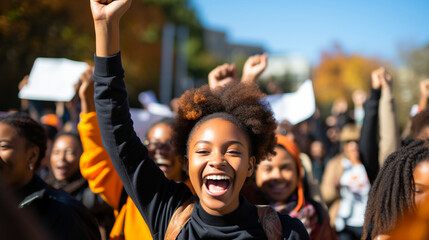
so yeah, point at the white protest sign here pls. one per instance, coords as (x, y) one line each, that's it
(294, 107)
(143, 120)
(52, 79)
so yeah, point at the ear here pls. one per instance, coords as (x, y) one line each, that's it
(251, 167)
(302, 173)
(33, 155)
(185, 165)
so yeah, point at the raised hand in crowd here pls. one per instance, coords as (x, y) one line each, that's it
(21, 84)
(86, 91)
(380, 78)
(389, 137)
(106, 15)
(424, 94)
(221, 75)
(253, 67)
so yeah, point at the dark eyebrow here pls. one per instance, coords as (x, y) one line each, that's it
(420, 184)
(202, 141)
(227, 143)
(234, 142)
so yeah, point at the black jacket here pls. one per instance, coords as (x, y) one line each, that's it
(59, 213)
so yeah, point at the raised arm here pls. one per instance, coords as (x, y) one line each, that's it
(368, 147)
(221, 75)
(95, 164)
(154, 195)
(253, 67)
(106, 15)
(388, 122)
(424, 94)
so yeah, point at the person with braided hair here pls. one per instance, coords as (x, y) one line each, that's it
(222, 134)
(401, 186)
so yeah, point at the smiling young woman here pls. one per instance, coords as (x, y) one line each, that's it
(281, 179)
(222, 132)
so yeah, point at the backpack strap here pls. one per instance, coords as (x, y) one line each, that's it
(180, 217)
(270, 221)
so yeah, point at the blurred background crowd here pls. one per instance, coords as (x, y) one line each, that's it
(364, 112)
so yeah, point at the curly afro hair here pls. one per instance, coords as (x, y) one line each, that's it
(239, 103)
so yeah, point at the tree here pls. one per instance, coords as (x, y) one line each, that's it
(339, 74)
(52, 28)
(406, 92)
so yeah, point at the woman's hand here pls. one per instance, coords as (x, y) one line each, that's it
(86, 91)
(108, 10)
(253, 67)
(106, 15)
(222, 75)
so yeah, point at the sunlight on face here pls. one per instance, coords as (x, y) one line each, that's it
(219, 163)
(421, 182)
(65, 156)
(278, 177)
(15, 157)
(158, 143)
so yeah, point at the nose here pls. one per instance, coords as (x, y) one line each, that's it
(59, 156)
(217, 160)
(275, 174)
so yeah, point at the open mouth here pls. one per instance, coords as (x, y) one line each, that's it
(278, 188)
(62, 170)
(163, 164)
(217, 185)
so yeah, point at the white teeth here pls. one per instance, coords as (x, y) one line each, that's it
(217, 177)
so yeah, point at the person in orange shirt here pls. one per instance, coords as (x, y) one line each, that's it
(97, 168)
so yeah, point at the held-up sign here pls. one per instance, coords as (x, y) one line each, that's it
(294, 107)
(52, 79)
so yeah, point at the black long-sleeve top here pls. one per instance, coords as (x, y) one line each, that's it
(368, 144)
(62, 216)
(155, 196)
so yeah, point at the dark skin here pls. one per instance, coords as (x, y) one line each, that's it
(17, 157)
(219, 149)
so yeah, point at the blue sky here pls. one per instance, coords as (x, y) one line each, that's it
(375, 28)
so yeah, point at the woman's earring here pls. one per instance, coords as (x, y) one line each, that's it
(30, 167)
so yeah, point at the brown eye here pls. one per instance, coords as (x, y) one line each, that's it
(202, 151)
(234, 152)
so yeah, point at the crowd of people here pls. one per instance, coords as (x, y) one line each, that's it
(222, 168)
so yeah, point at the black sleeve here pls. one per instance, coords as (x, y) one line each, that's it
(155, 196)
(293, 228)
(368, 145)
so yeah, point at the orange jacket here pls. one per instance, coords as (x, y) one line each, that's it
(97, 168)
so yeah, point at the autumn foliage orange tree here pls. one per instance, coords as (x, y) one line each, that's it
(339, 74)
(55, 28)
